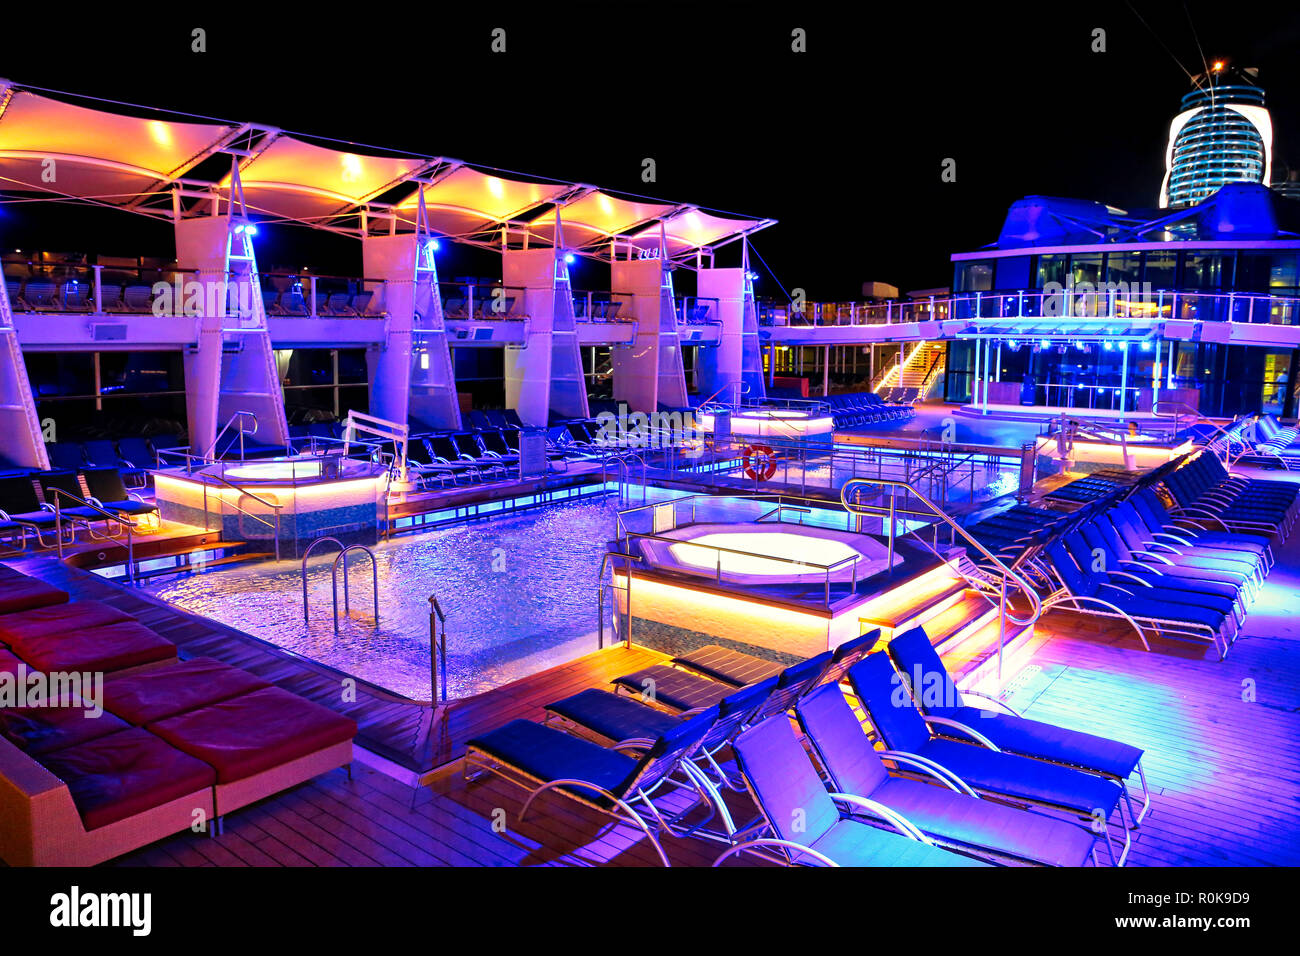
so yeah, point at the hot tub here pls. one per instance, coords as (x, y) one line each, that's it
(781, 423)
(765, 554)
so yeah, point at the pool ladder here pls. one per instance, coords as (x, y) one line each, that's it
(340, 558)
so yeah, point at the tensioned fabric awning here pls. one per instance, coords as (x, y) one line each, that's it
(66, 147)
(292, 179)
(54, 147)
(466, 201)
(594, 218)
(693, 229)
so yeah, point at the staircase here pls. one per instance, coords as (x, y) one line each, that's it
(919, 368)
(963, 625)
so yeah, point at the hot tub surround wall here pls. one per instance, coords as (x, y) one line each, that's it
(351, 510)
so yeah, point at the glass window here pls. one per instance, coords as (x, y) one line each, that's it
(974, 276)
(1207, 270)
(1161, 270)
(1266, 272)
(1124, 269)
(1051, 268)
(1086, 269)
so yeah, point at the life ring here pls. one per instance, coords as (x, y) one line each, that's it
(760, 462)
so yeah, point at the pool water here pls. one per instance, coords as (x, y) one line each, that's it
(519, 591)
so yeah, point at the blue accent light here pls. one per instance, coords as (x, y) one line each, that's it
(568, 258)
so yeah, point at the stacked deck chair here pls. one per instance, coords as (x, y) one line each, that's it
(682, 688)
(1202, 488)
(947, 815)
(1097, 542)
(1087, 489)
(913, 747)
(1146, 609)
(1227, 562)
(804, 825)
(1185, 531)
(541, 759)
(962, 715)
(1274, 445)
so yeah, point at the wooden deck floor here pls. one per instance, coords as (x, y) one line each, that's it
(1222, 743)
(1224, 774)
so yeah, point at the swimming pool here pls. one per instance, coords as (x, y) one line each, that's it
(519, 591)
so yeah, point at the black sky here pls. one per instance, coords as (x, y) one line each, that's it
(843, 144)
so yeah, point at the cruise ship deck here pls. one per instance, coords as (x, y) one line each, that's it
(540, 537)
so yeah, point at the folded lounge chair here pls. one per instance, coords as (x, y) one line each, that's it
(617, 717)
(805, 825)
(944, 813)
(979, 767)
(945, 708)
(540, 759)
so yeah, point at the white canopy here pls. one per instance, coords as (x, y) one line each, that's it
(140, 158)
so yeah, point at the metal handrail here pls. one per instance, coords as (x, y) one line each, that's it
(274, 506)
(1007, 573)
(59, 494)
(305, 555)
(237, 416)
(374, 581)
(436, 617)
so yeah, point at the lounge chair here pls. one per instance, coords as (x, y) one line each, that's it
(1145, 609)
(616, 717)
(107, 491)
(979, 767)
(944, 813)
(934, 692)
(540, 759)
(804, 825)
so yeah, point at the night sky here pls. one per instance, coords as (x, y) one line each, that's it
(843, 144)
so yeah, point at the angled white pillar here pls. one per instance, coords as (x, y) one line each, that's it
(720, 369)
(568, 398)
(528, 368)
(232, 368)
(432, 377)
(649, 375)
(21, 442)
(410, 372)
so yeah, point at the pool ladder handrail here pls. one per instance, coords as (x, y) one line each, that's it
(342, 557)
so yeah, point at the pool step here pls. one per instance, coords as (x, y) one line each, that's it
(910, 606)
(960, 620)
(190, 560)
(973, 661)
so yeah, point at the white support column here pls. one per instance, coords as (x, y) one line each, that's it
(232, 368)
(718, 369)
(988, 353)
(528, 369)
(650, 373)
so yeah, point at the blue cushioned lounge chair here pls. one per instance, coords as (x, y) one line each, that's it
(949, 710)
(541, 759)
(803, 824)
(944, 813)
(913, 745)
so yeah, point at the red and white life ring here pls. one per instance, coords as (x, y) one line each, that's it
(760, 462)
